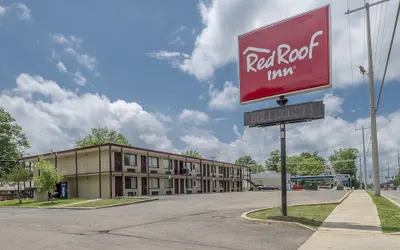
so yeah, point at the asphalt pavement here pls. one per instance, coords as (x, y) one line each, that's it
(201, 221)
(392, 194)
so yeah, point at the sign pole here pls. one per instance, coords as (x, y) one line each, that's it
(282, 101)
(283, 169)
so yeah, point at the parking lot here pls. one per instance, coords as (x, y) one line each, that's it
(204, 221)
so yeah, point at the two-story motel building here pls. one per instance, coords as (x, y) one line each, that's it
(112, 170)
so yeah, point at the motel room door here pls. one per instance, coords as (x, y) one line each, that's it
(144, 185)
(118, 186)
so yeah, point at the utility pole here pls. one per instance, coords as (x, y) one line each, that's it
(370, 74)
(361, 181)
(365, 157)
(388, 172)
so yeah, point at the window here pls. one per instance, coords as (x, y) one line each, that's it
(237, 172)
(220, 170)
(189, 166)
(130, 159)
(238, 184)
(154, 183)
(230, 171)
(167, 163)
(167, 183)
(196, 167)
(153, 162)
(130, 182)
(189, 183)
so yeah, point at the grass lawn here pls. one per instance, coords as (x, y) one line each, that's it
(32, 203)
(108, 202)
(389, 214)
(312, 216)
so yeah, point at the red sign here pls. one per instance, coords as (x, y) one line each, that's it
(286, 58)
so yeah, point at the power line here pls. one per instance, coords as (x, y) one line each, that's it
(388, 57)
(383, 35)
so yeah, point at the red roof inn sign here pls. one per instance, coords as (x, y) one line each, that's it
(283, 59)
(286, 58)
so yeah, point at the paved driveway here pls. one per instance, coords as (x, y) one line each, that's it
(204, 221)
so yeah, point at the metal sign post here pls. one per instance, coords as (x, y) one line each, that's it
(281, 116)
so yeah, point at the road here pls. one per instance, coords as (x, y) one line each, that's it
(203, 221)
(393, 194)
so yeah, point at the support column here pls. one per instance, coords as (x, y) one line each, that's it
(99, 172)
(55, 160)
(186, 174)
(122, 171)
(201, 175)
(148, 173)
(110, 168)
(76, 174)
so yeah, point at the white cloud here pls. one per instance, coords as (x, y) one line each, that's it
(2, 11)
(320, 135)
(333, 104)
(72, 46)
(194, 116)
(227, 99)
(56, 121)
(218, 119)
(88, 61)
(79, 78)
(174, 58)
(163, 118)
(216, 45)
(175, 34)
(62, 67)
(22, 11)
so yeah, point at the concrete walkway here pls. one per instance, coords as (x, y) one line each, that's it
(353, 224)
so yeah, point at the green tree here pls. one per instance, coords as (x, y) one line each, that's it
(48, 177)
(249, 161)
(18, 176)
(192, 153)
(311, 166)
(343, 161)
(271, 164)
(313, 155)
(13, 142)
(303, 164)
(100, 135)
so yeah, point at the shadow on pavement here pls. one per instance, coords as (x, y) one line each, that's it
(345, 225)
(304, 221)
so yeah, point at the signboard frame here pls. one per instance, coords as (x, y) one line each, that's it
(321, 115)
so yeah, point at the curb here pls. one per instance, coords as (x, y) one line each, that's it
(82, 208)
(116, 205)
(397, 204)
(244, 216)
(391, 200)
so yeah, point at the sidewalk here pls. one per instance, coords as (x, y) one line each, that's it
(353, 224)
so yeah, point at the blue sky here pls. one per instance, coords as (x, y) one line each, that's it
(168, 56)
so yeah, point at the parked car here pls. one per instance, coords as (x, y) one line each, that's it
(268, 187)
